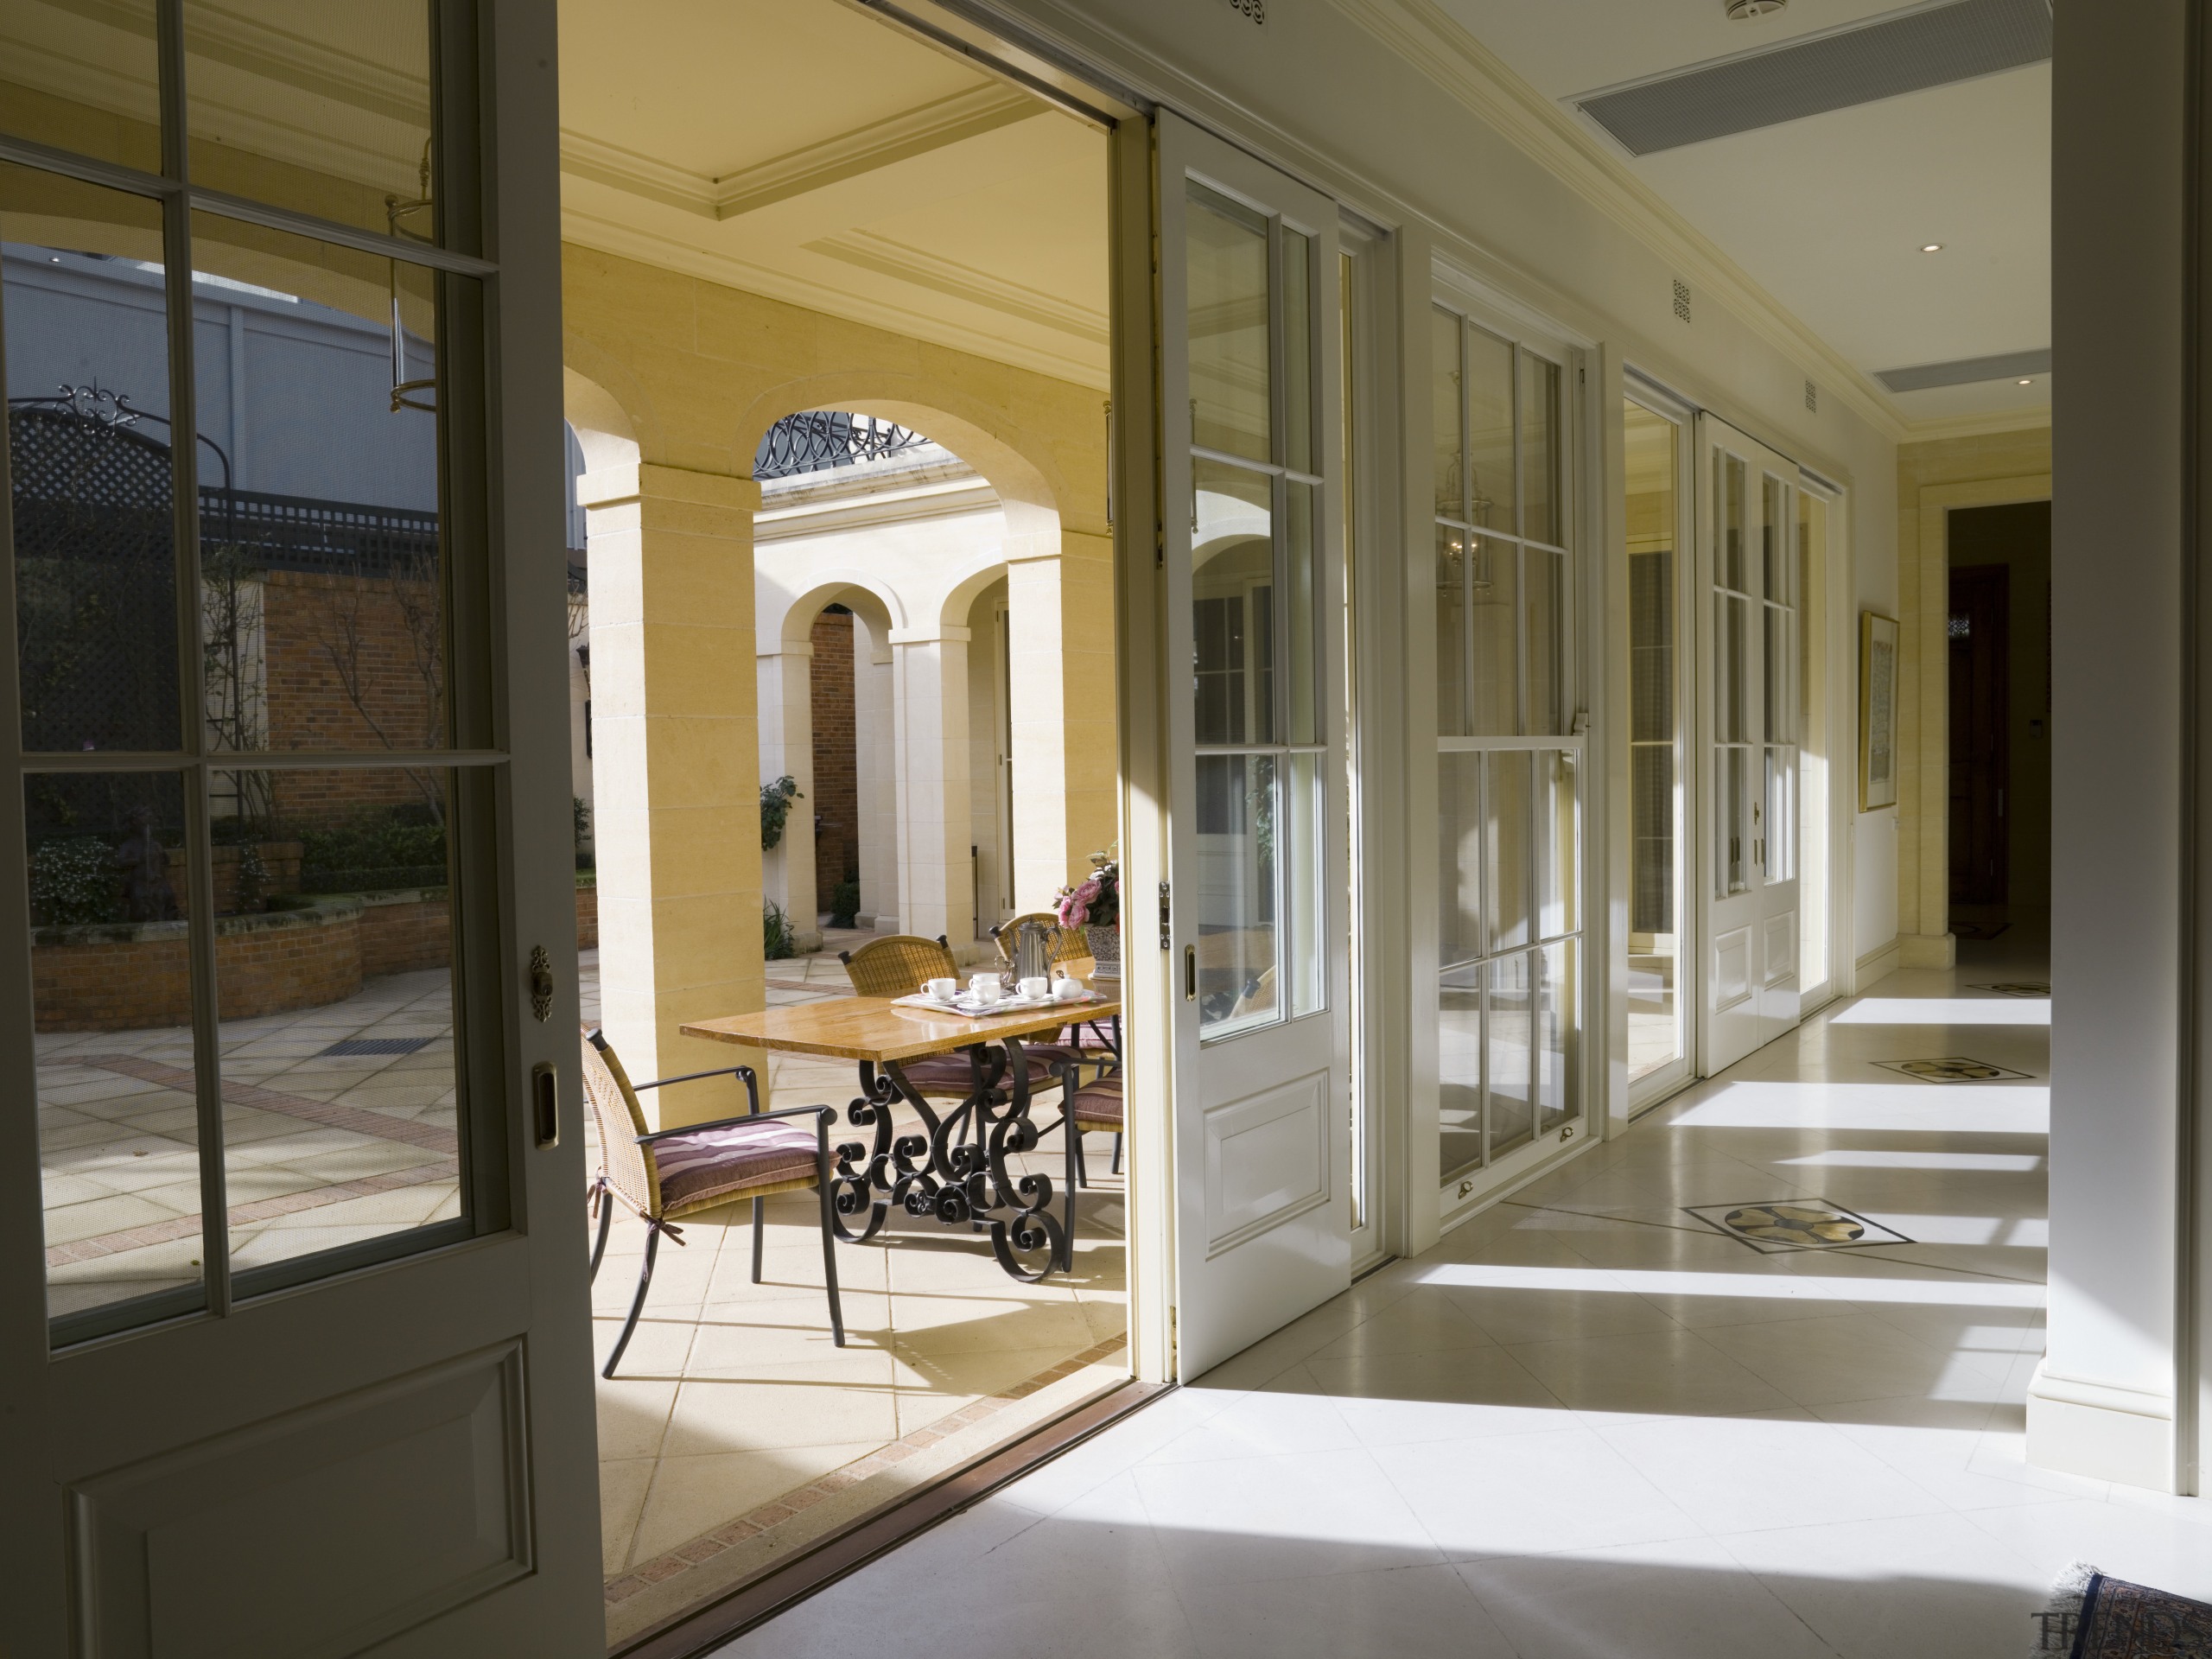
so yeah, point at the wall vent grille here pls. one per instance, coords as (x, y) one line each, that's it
(1905, 52)
(1681, 300)
(1812, 398)
(1966, 370)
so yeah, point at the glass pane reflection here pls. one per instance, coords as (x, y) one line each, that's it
(1227, 274)
(91, 491)
(1237, 813)
(1494, 674)
(1232, 582)
(338, 1071)
(111, 991)
(1459, 1072)
(83, 78)
(1458, 801)
(1512, 1062)
(1508, 805)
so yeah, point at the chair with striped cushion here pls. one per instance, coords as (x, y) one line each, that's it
(899, 964)
(1092, 1108)
(663, 1174)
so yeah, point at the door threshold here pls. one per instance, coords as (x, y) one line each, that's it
(700, 1632)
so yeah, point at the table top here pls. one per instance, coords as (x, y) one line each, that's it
(875, 1028)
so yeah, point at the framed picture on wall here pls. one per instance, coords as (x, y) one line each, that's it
(1878, 711)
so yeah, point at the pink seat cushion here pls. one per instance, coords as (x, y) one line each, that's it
(951, 1074)
(1098, 1105)
(728, 1162)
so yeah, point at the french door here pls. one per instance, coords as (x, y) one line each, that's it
(1749, 691)
(294, 1332)
(1252, 566)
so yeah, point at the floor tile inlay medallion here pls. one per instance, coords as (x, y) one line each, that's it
(1793, 1224)
(1955, 1068)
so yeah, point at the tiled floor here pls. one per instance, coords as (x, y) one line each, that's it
(736, 1430)
(1588, 1427)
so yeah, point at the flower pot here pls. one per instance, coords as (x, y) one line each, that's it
(1105, 944)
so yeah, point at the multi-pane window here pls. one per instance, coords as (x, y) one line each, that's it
(1509, 977)
(254, 754)
(1653, 468)
(1260, 643)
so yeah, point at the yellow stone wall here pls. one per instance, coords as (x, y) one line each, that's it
(693, 373)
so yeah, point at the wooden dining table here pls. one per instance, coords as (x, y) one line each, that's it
(957, 1170)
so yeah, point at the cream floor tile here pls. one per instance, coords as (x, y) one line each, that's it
(691, 1494)
(623, 1483)
(826, 1403)
(90, 1219)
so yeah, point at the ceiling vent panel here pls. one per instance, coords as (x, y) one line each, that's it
(1966, 371)
(1905, 52)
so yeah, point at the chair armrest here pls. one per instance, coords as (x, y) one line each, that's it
(830, 1114)
(745, 1072)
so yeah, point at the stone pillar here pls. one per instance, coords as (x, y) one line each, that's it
(1066, 739)
(675, 750)
(878, 790)
(787, 747)
(937, 893)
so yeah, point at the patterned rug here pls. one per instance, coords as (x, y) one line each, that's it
(2093, 1617)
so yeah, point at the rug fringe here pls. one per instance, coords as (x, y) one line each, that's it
(2055, 1624)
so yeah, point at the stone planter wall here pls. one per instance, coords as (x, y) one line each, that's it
(125, 976)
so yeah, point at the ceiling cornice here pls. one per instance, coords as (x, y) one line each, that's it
(895, 259)
(895, 138)
(626, 241)
(1425, 35)
(1976, 426)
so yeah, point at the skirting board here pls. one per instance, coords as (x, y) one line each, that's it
(1877, 964)
(2097, 1430)
(1928, 951)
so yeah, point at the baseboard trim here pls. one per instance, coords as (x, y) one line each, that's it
(1877, 964)
(2100, 1430)
(1928, 951)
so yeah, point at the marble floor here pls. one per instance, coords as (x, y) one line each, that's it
(1589, 1425)
(735, 1431)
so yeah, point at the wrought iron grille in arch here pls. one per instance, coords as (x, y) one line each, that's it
(815, 440)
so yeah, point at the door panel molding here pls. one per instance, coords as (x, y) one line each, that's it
(1266, 1159)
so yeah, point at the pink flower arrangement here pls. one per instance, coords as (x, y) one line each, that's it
(1094, 902)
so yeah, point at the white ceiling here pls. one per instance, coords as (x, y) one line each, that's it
(803, 149)
(1828, 213)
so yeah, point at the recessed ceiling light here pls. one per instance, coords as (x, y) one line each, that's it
(1931, 247)
(2026, 381)
(1740, 9)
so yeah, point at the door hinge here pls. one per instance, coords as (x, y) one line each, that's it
(1167, 919)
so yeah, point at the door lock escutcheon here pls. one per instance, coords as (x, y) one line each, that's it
(546, 1103)
(1190, 973)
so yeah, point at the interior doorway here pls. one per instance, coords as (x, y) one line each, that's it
(1998, 637)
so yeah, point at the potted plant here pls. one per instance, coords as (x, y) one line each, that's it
(1095, 906)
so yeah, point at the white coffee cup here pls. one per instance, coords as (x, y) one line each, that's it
(940, 990)
(985, 988)
(1032, 989)
(1069, 988)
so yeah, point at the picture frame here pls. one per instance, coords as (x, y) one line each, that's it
(1878, 711)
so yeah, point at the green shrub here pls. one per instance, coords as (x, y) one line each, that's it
(777, 939)
(845, 904)
(74, 882)
(253, 880)
(377, 847)
(776, 800)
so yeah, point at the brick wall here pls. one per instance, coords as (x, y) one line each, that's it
(128, 978)
(402, 933)
(326, 640)
(836, 777)
(587, 917)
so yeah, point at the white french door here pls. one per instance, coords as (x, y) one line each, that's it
(1252, 566)
(1749, 675)
(294, 1337)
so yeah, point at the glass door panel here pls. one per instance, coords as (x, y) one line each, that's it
(1656, 1007)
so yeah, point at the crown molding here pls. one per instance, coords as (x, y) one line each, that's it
(908, 265)
(898, 137)
(1976, 426)
(626, 241)
(1421, 33)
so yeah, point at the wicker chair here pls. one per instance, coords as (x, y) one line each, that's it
(1066, 943)
(671, 1173)
(1094, 1107)
(897, 965)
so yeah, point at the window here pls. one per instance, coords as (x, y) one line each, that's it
(255, 758)
(1509, 762)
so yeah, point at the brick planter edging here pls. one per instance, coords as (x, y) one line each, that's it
(134, 975)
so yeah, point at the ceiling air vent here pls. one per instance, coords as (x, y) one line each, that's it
(1905, 52)
(1966, 370)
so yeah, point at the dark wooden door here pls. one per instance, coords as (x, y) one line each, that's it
(1980, 611)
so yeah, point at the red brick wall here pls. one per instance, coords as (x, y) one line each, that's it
(403, 938)
(321, 631)
(269, 964)
(588, 918)
(836, 771)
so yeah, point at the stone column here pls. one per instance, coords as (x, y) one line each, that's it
(936, 893)
(787, 747)
(675, 750)
(878, 792)
(1060, 663)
